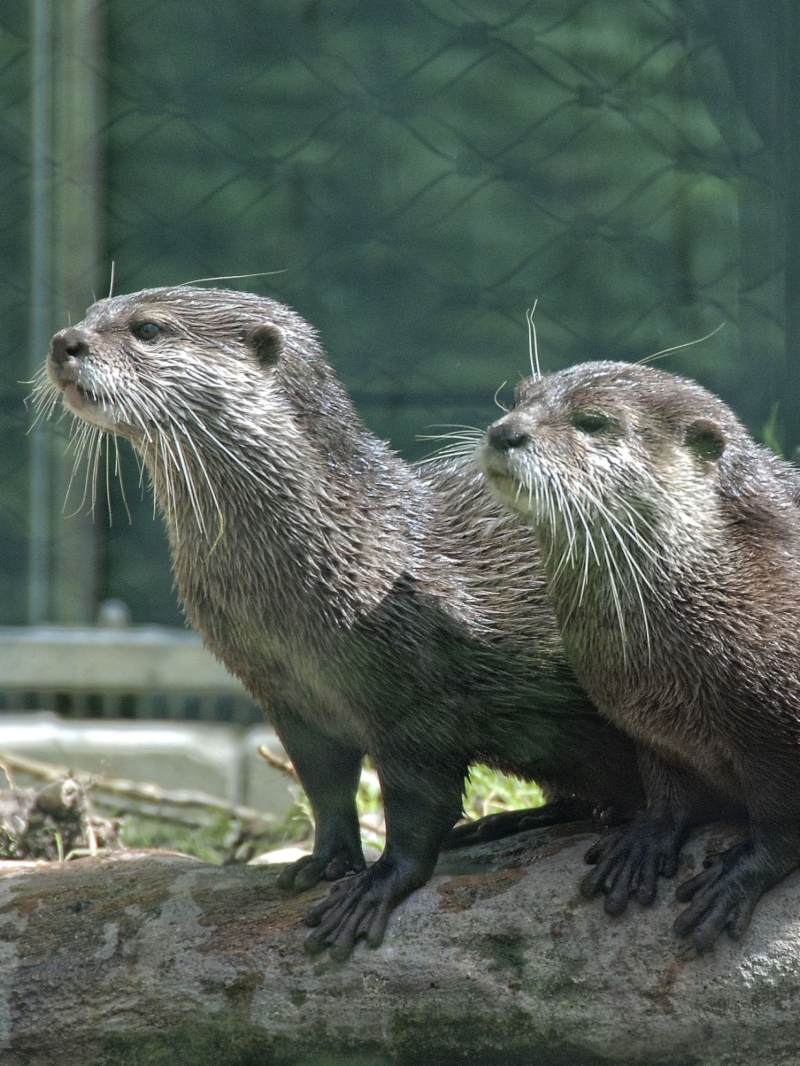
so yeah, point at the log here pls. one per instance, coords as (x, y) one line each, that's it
(157, 958)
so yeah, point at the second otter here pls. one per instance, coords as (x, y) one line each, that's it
(672, 547)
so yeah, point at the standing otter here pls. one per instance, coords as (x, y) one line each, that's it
(367, 606)
(671, 543)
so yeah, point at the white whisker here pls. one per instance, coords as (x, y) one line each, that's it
(533, 343)
(678, 347)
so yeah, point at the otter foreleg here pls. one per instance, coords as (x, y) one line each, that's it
(416, 824)
(329, 772)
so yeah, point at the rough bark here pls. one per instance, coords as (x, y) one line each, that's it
(160, 959)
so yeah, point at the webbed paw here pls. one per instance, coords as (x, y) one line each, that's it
(723, 895)
(358, 907)
(628, 862)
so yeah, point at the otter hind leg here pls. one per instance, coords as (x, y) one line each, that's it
(329, 772)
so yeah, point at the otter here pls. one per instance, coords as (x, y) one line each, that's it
(368, 606)
(671, 542)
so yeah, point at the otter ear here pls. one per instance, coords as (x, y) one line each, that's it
(705, 439)
(266, 342)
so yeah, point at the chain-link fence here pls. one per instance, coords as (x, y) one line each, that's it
(411, 177)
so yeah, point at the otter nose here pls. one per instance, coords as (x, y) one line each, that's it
(505, 435)
(68, 344)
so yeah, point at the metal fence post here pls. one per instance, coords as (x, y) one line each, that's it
(65, 254)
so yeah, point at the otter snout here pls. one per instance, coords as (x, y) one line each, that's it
(498, 457)
(68, 346)
(67, 349)
(506, 435)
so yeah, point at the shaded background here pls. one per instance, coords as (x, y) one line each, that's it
(415, 175)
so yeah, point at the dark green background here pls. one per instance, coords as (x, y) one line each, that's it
(417, 174)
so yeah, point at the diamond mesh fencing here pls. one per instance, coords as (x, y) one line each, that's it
(411, 178)
(14, 307)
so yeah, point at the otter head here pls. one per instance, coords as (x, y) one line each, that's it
(622, 470)
(599, 446)
(209, 385)
(155, 358)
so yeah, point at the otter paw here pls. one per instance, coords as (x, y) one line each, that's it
(357, 907)
(628, 863)
(723, 896)
(308, 871)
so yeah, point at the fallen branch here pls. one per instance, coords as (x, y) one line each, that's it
(137, 790)
(278, 762)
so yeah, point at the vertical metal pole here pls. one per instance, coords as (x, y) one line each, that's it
(65, 253)
(41, 285)
(75, 259)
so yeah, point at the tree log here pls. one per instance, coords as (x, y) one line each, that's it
(157, 958)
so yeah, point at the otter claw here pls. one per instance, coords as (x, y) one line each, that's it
(310, 870)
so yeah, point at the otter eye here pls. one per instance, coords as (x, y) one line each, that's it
(147, 331)
(590, 422)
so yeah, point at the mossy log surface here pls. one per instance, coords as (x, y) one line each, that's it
(157, 959)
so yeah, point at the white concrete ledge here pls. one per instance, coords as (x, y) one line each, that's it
(133, 659)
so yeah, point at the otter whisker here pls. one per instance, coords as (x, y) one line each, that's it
(168, 461)
(460, 438)
(204, 472)
(191, 488)
(635, 573)
(78, 442)
(620, 532)
(497, 402)
(118, 472)
(564, 508)
(636, 537)
(108, 485)
(533, 343)
(92, 443)
(227, 451)
(611, 565)
(586, 562)
(587, 529)
(44, 399)
(608, 524)
(465, 438)
(472, 430)
(98, 448)
(463, 451)
(235, 277)
(577, 598)
(678, 347)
